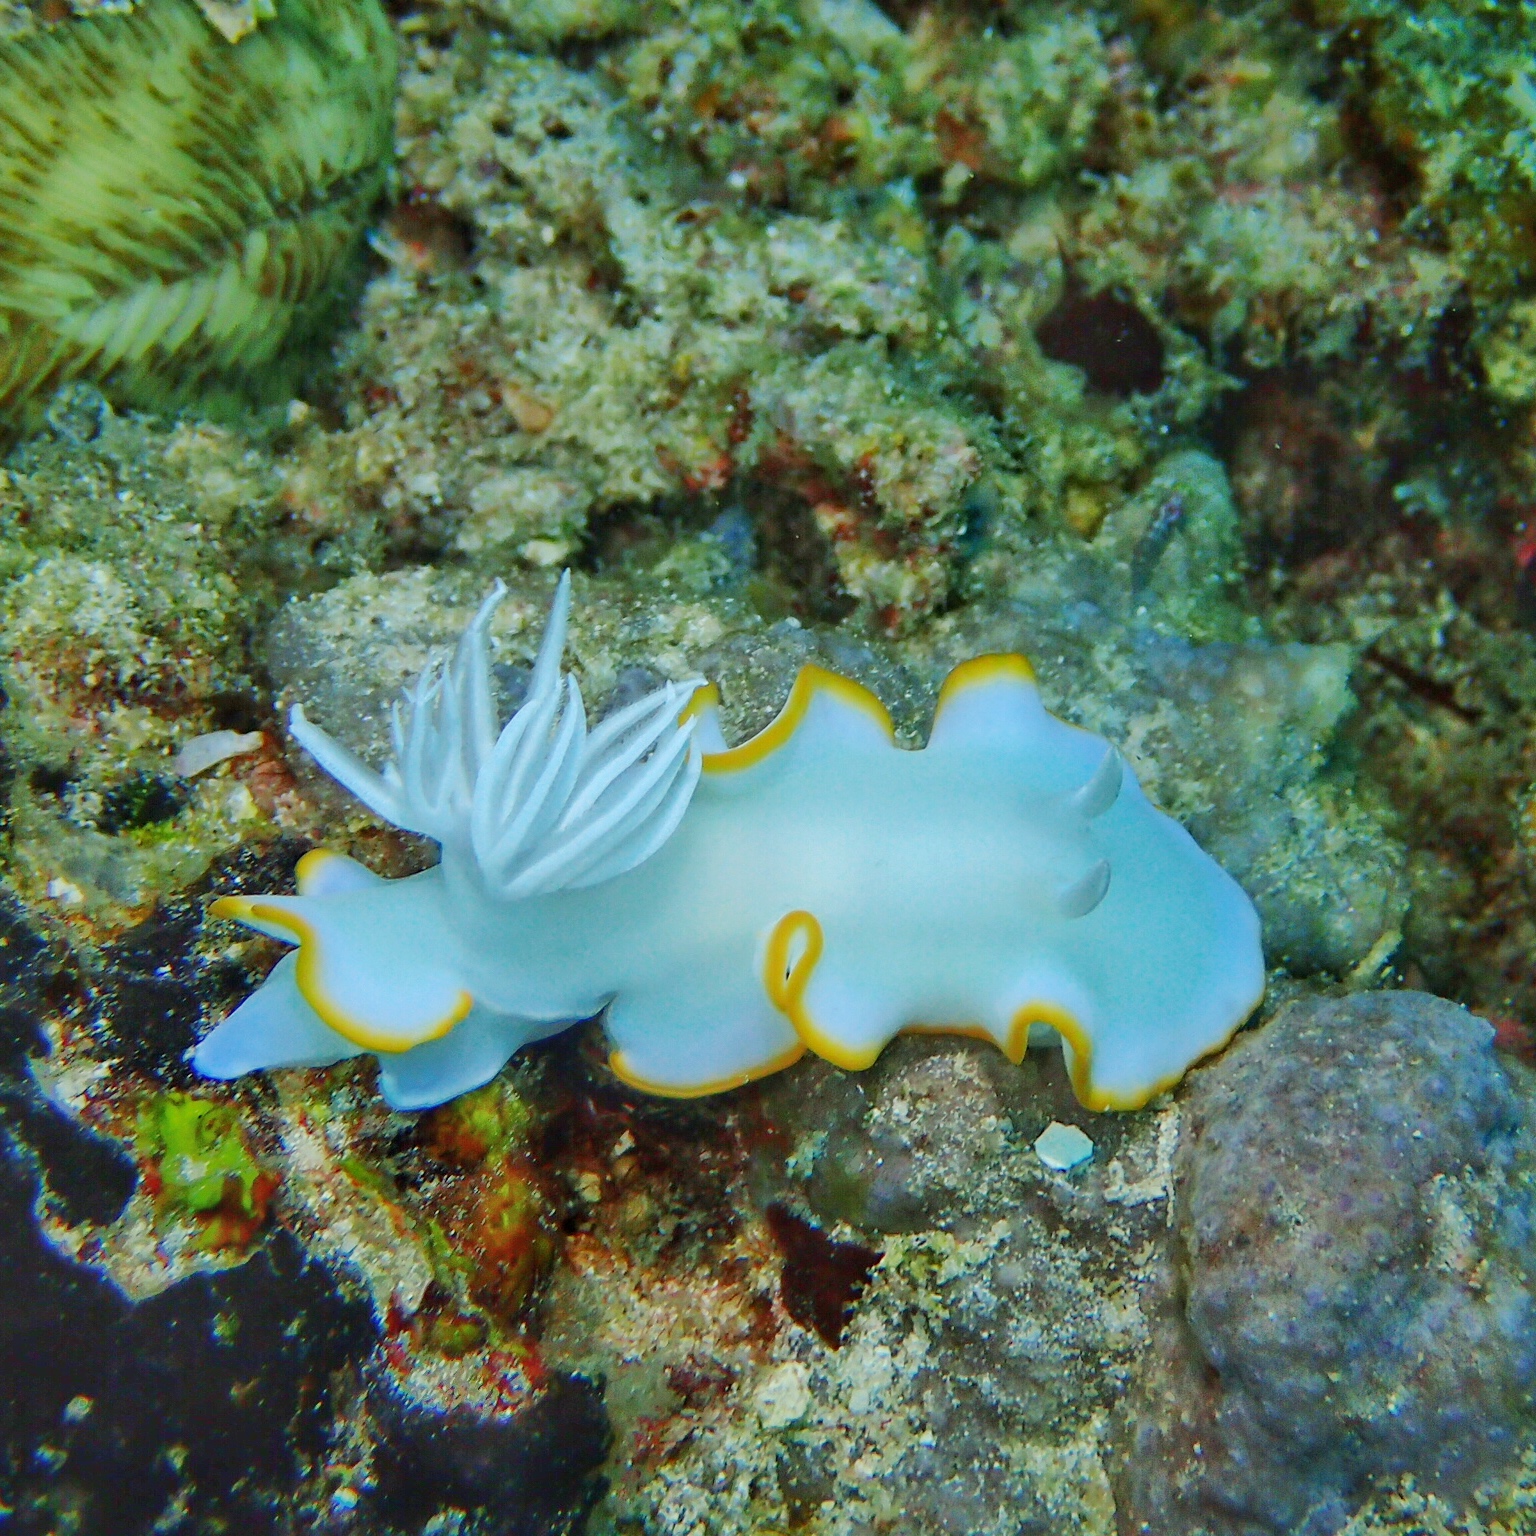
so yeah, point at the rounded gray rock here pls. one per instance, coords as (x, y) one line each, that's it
(1356, 1256)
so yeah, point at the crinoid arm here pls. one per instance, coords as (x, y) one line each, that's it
(544, 804)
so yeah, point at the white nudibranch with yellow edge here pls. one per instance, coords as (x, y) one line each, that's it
(816, 887)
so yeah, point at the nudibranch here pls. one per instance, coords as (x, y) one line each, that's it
(729, 907)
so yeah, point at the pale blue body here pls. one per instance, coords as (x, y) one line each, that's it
(954, 887)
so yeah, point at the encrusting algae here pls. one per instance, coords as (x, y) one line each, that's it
(198, 1160)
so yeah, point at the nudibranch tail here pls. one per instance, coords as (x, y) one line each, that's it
(276, 1027)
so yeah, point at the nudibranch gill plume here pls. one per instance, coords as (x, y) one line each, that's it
(727, 908)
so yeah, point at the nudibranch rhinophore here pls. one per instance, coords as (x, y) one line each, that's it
(815, 887)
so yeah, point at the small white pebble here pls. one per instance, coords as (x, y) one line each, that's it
(1062, 1147)
(345, 1500)
(65, 892)
(78, 1409)
(205, 752)
(240, 804)
(545, 552)
(783, 1397)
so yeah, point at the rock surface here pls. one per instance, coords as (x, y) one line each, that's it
(207, 1399)
(520, 1474)
(1352, 1289)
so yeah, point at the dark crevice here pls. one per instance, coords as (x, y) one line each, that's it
(822, 1278)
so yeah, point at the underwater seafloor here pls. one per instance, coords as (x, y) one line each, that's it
(1189, 349)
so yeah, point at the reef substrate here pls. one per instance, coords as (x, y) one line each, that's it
(1184, 349)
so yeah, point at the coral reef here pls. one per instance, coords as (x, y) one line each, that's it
(1187, 349)
(1447, 96)
(202, 1403)
(521, 1476)
(718, 274)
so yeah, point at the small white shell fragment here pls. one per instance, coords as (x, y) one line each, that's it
(208, 751)
(1063, 1147)
(240, 804)
(784, 1395)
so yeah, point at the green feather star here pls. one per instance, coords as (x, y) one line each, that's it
(180, 215)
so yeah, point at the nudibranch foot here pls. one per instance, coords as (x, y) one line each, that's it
(718, 1034)
(273, 1027)
(815, 888)
(439, 1070)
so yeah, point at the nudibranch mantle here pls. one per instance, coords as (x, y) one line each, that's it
(815, 887)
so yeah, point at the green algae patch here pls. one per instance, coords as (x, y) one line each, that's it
(199, 1162)
(470, 1202)
(489, 1122)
